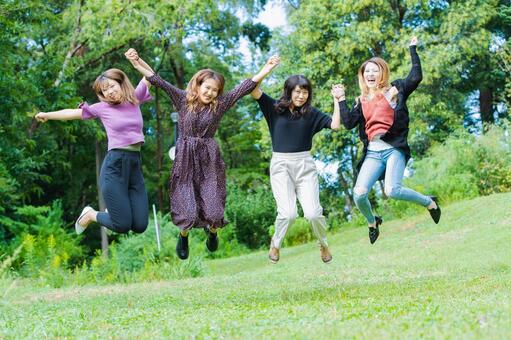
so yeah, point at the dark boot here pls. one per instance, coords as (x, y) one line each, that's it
(182, 247)
(375, 232)
(212, 240)
(435, 213)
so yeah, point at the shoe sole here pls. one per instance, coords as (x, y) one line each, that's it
(78, 227)
(273, 261)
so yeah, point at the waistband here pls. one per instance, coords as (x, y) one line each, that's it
(132, 147)
(194, 138)
(291, 155)
(124, 151)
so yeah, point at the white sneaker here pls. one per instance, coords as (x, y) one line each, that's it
(78, 227)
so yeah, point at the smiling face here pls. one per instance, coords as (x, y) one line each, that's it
(372, 75)
(111, 90)
(299, 96)
(208, 91)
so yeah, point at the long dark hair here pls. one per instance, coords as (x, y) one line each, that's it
(285, 102)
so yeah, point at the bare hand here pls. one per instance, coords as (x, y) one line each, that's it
(271, 63)
(392, 92)
(132, 56)
(338, 92)
(41, 117)
(414, 41)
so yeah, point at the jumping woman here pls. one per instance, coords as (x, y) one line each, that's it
(381, 114)
(121, 180)
(293, 122)
(197, 183)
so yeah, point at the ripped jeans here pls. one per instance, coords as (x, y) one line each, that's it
(392, 161)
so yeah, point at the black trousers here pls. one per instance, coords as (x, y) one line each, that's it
(123, 189)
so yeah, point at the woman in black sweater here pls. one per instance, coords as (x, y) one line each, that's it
(382, 119)
(293, 122)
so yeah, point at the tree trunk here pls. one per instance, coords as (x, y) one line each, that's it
(159, 152)
(348, 199)
(75, 45)
(99, 161)
(486, 106)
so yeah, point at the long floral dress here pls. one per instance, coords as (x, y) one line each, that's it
(197, 183)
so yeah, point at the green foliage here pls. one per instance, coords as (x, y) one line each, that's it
(464, 166)
(47, 249)
(251, 213)
(300, 232)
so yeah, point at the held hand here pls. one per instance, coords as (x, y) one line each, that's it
(338, 92)
(414, 41)
(271, 64)
(392, 92)
(132, 56)
(41, 117)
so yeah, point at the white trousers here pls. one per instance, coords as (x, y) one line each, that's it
(294, 175)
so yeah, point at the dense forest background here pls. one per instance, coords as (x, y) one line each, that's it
(52, 51)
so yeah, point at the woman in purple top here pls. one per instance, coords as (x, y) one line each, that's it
(197, 184)
(121, 180)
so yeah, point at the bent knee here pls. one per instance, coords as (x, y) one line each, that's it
(121, 225)
(393, 191)
(313, 215)
(139, 228)
(288, 216)
(360, 192)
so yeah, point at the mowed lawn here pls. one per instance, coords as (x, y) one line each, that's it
(418, 280)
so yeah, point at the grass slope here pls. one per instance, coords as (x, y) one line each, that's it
(418, 280)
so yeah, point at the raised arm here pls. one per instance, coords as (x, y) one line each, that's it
(338, 95)
(139, 64)
(349, 118)
(230, 98)
(266, 70)
(175, 94)
(415, 76)
(66, 114)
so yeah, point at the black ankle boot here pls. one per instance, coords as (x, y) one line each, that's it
(375, 232)
(435, 213)
(182, 247)
(212, 240)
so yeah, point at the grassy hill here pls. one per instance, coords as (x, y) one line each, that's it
(418, 280)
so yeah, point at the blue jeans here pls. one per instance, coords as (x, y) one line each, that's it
(392, 161)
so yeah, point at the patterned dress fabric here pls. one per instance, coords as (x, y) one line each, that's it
(197, 184)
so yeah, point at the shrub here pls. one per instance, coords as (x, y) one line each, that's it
(464, 167)
(251, 213)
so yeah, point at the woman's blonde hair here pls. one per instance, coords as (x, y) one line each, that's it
(192, 90)
(383, 82)
(127, 90)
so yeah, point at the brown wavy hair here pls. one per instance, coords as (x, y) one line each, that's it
(383, 82)
(127, 90)
(192, 90)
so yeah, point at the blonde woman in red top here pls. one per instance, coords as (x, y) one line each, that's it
(382, 118)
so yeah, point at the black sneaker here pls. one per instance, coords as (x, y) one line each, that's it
(375, 232)
(435, 213)
(182, 247)
(212, 240)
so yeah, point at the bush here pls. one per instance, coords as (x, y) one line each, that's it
(46, 248)
(135, 258)
(464, 167)
(251, 213)
(299, 232)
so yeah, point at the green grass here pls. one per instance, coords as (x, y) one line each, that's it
(419, 280)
